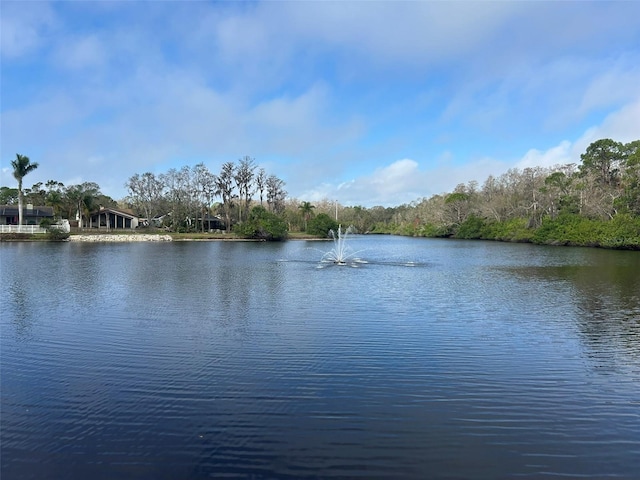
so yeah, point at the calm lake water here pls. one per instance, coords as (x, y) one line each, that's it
(435, 359)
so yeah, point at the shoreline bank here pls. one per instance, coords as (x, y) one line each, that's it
(120, 238)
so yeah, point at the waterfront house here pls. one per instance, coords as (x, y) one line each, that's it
(31, 215)
(207, 223)
(211, 223)
(109, 218)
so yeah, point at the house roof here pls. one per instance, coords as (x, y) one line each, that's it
(12, 211)
(117, 211)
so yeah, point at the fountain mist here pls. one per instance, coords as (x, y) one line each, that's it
(340, 254)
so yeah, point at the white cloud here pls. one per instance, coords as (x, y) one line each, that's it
(404, 181)
(614, 83)
(401, 179)
(622, 125)
(409, 34)
(296, 125)
(445, 177)
(558, 155)
(157, 119)
(548, 96)
(38, 122)
(23, 26)
(396, 183)
(303, 86)
(81, 52)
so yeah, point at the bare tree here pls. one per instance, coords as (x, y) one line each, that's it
(224, 189)
(261, 183)
(457, 205)
(180, 195)
(145, 193)
(276, 194)
(204, 181)
(244, 181)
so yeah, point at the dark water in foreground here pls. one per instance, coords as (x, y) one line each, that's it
(437, 359)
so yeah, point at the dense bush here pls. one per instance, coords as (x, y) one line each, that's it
(57, 234)
(472, 227)
(320, 225)
(622, 232)
(262, 225)
(46, 223)
(512, 230)
(437, 231)
(568, 229)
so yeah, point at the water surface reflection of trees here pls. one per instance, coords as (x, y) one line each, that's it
(605, 306)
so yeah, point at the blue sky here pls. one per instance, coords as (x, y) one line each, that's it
(367, 103)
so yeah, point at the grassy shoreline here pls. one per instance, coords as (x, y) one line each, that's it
(572, 231)
(620, 233)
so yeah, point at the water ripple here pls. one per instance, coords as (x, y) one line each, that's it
(220, 360)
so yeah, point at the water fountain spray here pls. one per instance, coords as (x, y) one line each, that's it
(340, 253)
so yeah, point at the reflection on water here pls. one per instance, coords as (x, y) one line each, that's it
(197, 360)
(604, 296)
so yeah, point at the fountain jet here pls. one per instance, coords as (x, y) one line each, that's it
(340, 253)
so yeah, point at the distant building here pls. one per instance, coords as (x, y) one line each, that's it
(109, 218)
(212, 223)
(9, 214)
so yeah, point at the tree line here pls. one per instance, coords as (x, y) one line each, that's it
(180, 199)
(182, 196)
(595, 202)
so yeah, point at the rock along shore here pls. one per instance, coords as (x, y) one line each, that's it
(120, 238)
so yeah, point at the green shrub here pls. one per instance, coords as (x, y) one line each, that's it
(512, 230)
(57, 234)
(320, 225)
(622, 232)
(472, 227)
(434, 231)
(408, 230)
(262, 225)
(46, 223)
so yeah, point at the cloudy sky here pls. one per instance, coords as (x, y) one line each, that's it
(370, 103)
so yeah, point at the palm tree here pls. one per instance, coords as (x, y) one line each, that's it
(307, 210)
(54, 199)
(54, 196)
(21, 167)
(83, 199)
